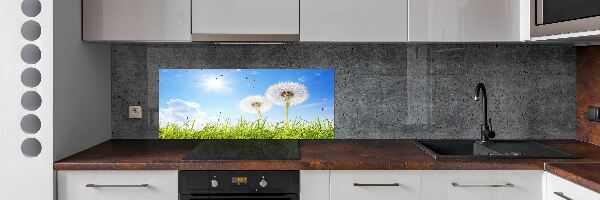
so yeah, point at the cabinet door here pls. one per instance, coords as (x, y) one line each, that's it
(136, 20)
(482, 185)
(353, 20)
(561, 189)
(117, 185)
(468, 20)
(374, 184)
(245, 17)
(314, 185)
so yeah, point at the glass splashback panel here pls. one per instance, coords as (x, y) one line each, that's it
(246, 103)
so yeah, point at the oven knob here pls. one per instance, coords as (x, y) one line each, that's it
(263, 183)
(214, 183)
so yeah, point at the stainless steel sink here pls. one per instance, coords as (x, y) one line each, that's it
(471, 149)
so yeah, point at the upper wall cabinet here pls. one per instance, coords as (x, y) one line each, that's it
(353, 20)
(136, 20)
(468, 20)
(245, 20)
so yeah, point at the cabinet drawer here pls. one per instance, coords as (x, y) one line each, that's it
(560, 189)
(376, 185)
(482, 185)
(117, 185)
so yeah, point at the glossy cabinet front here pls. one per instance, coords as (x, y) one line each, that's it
(245, 16)
(375, 184)
(560, 189)
(136, 20)
(353, 20)
(468, 20)
(421, 184)
(482, 185)
(117, 185)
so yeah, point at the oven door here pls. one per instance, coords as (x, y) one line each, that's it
(240, 197)
(552, 17)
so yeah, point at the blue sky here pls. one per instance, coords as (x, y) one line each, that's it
(208, 95)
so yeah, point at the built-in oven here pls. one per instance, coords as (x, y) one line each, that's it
(237, 185)
(553, 17)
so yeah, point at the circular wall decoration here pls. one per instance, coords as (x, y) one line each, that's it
(31, 54)
(31, 100)
(31, 77)
(31, 124)
(31, 147)
(31, 30)
(31, 8)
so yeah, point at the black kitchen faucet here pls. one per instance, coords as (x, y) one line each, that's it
(486, 128)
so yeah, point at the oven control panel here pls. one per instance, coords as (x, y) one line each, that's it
(224, 182)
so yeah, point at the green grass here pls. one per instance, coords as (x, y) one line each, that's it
(244, 129)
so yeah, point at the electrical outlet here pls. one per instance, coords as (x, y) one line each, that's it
(135, 112)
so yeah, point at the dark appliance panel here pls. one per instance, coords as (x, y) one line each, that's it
(274, 181)
(238, 197)
(554, 11)
(233, 185)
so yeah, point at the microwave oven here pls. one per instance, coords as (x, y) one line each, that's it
(556, 17)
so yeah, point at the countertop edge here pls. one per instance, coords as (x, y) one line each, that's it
(573, 177)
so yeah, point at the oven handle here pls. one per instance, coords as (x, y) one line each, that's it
(193, 197)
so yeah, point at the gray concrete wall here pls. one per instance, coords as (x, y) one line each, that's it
(382, 90)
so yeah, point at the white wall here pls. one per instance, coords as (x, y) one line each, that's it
(82, 83)
(21, 177)
(82, 108)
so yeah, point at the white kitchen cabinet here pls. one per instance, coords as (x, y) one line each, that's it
(353, 20)
(482, 185)
(314, 185)
(560, 189)
(117, 185)
(136, 20)
(245, 20)
(468, 20)
(375, 184)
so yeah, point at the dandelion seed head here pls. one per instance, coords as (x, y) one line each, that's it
(253, 104)
(287, 92)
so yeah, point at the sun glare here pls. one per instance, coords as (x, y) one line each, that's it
(214, 83)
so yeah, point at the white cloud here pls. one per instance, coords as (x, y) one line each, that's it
(311, 105)
(179, 111)
(302, 79)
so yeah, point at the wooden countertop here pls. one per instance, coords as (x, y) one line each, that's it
(314, 154)
(332, 155)
(584, 174)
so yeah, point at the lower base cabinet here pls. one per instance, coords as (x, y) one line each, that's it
(482, 185)
(341, 185)
(375, 185)
(560, 189)
(422, 185)
(117, 185)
